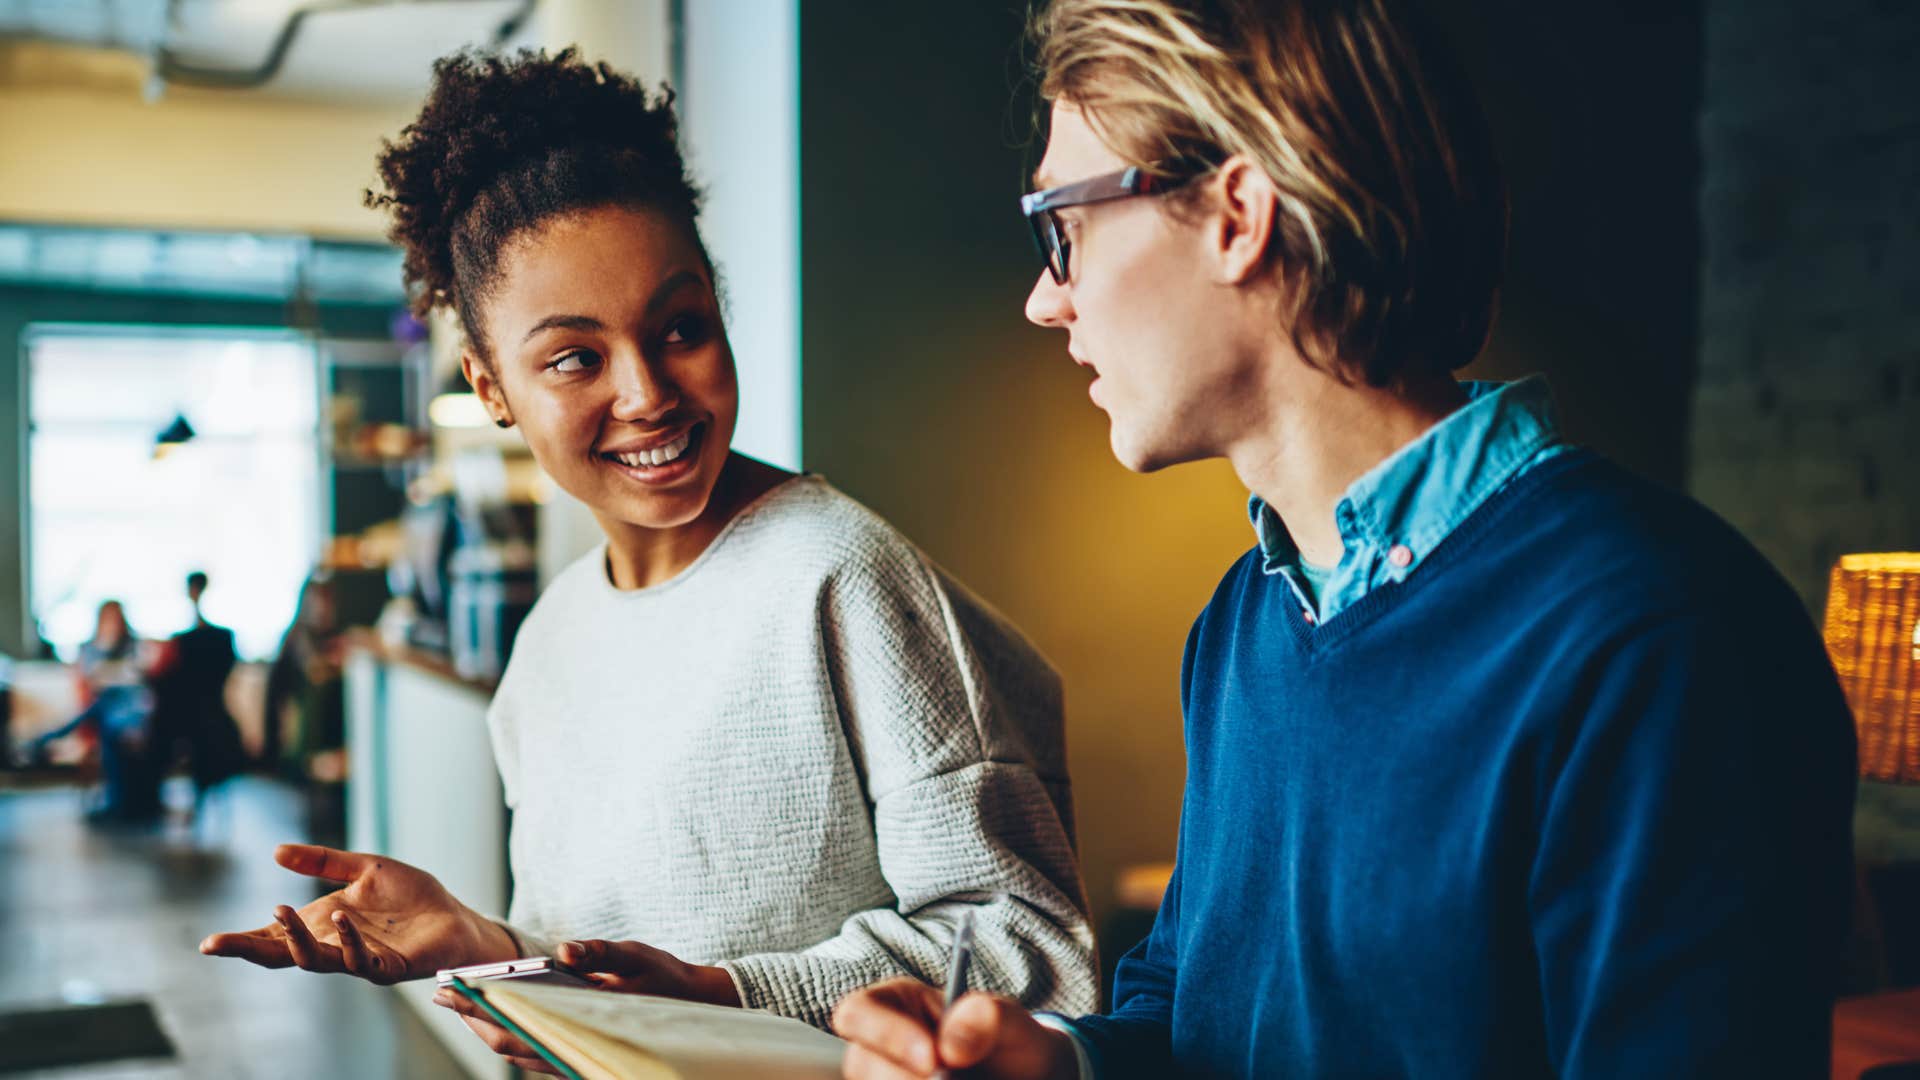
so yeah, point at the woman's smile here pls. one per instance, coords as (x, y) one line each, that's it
(656, 461)
(619, 375)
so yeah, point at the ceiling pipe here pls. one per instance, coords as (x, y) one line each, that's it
(169, 68)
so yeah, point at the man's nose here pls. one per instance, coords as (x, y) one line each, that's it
(1050, 303)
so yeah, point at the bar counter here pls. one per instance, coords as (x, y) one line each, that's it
(422, 788)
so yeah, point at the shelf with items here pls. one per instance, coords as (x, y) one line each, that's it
(380, 445)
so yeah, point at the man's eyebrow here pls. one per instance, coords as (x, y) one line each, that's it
(564, 322)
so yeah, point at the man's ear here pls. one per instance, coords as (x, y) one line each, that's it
(1244, 206)
(486, 386)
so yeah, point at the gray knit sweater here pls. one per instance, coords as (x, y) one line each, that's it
(801, 758)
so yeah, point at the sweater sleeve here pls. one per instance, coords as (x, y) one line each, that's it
(955, 726)
(1689, 896)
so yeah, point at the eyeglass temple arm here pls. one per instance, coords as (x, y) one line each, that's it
(1132, 181)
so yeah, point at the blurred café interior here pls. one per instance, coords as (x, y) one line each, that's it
(206, 365)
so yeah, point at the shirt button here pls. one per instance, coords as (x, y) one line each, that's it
(1307, 614)
(1400, 555)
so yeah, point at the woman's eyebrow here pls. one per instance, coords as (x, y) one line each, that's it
(670, 286)
(587, 322)
(564, 322)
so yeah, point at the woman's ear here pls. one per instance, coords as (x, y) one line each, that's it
(486, 386)
(1242, 220)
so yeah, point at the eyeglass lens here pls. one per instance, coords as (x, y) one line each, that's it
(1053, 244)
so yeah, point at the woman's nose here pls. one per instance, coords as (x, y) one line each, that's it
(1050, 303)
(642, 393)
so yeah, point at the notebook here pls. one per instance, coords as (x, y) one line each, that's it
(598, 1035)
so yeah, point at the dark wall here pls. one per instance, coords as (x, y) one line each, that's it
(1807, 420)
(927, 395)
(21, 307)
(1595, 109)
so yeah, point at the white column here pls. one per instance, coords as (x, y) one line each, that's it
(740, 126)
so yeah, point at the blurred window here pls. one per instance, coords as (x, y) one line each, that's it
(114, 514)
(237, 265)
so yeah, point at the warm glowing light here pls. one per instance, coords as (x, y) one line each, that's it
(458, 411)
(1873, 636)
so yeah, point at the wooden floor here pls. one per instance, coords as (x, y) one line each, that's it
(91, 914)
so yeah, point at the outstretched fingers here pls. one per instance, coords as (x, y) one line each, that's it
(307, 952)
(266, 947)
(332, 864)
(360, 957)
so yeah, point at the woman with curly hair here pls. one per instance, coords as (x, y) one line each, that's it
(756, 729)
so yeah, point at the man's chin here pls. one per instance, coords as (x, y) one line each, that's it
(1135, 458)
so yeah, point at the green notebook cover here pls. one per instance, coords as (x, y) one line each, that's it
(461, 987)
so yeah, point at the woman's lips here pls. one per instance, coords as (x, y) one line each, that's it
(666, 472)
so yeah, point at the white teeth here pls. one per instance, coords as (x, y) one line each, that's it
(646, 459)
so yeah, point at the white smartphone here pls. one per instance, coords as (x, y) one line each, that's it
(544, 969)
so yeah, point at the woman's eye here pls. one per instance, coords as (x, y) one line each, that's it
(686, 330)
(576, 360)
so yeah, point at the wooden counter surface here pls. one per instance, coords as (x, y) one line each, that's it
(363, 639)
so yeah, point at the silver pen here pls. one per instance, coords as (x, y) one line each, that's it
(957, 968)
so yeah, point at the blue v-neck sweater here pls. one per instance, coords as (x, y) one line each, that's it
(1573, 799)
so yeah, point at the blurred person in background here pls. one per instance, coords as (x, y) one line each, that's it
(116, 719)
(189, 700)
(303, 684)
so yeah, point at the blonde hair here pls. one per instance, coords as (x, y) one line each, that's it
(1392, 223)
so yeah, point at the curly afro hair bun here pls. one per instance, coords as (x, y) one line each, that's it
(504, 143)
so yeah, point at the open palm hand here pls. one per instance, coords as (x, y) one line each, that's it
(391, 922)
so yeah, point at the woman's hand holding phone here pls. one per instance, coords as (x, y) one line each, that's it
(390, 922)
(627, 967)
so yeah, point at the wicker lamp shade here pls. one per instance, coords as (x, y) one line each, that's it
(1873, 636)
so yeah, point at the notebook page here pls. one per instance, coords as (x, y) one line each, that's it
(701, 1042)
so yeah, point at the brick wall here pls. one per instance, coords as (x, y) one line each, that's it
(1805, 428)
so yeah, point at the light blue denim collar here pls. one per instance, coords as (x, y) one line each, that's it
(1398, 512)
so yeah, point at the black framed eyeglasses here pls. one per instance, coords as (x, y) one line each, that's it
(1048, 234)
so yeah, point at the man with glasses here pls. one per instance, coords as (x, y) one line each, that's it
(1501, 761)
